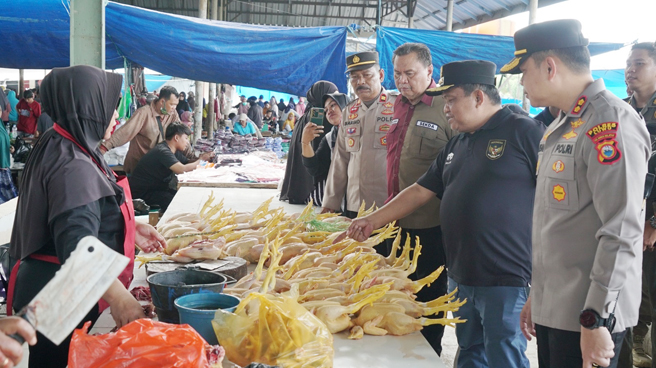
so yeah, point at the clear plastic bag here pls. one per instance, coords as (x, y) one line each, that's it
(274, 330)
(143, 343)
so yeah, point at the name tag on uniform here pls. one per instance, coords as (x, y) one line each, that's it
(426, 124)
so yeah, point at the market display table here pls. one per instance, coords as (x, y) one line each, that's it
(371, 351)
(258, 169)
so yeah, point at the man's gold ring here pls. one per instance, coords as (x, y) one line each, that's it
(595, 365)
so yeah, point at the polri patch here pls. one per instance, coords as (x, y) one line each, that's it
(558, 166)
(426, 124)
(383, 141)
(384, 128)
(495, 148)
(603, 136)
(353, 116)
(351, 130)
(565, 149)
(558, 192)
(350, 142)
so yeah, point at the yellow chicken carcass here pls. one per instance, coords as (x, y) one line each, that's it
(399, 323)
(302, 274)
(336, 317)
(320, 294)
(370, 312)
(290, 251)
(241, 246)
(312, 305)
(303, 261)
(405, 284)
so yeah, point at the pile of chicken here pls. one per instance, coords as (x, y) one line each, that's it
(346, 284)
(203, 236)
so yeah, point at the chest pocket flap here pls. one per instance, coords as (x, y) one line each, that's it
(352, 137)
(425, 142)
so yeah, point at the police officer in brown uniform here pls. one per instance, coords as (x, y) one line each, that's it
(358, 167)
(417, 134)
(587, 217)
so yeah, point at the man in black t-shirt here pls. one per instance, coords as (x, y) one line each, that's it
(485, 177)
(150, 178)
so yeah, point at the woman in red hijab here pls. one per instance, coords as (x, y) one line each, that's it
(69, 192)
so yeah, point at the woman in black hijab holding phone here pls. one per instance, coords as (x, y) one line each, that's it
(68, 192)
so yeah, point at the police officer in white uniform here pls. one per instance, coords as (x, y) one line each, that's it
(587, 220)
(359, 164)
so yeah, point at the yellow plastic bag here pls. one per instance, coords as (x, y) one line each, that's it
(274, 330)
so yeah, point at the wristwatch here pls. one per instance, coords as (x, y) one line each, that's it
(590, 319)
(652, 222)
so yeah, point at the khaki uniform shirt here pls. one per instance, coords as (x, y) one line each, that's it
(649, 114)
(425, 137)
(587, 219)
(142, 131)
(359, 166)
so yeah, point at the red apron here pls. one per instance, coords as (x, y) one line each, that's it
(128, 245)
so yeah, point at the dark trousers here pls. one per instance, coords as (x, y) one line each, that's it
(432, 256)
(562, 349)
(647, 313)
(161, 198)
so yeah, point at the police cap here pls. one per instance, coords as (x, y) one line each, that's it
(555, 34)
(464, 72)
(361, 61)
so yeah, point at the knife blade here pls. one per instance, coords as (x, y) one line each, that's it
(76, 287)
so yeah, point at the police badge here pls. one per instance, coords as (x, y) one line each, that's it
(495, 148)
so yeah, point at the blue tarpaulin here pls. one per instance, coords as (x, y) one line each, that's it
(273, 58)
(613, 79)
(450, 46)
(34, 34)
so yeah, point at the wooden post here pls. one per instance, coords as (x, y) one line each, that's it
(198, 110)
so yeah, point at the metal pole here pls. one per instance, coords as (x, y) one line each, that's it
(449, 15)
(198, 110)
(211, 114)
(21, 83)
(532, 14)
(379, 13)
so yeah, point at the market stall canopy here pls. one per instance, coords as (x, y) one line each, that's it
(36, 36)
(427, 14)
(274, 58)
(449, 46)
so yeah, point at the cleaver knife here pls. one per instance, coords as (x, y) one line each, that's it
(78, 285)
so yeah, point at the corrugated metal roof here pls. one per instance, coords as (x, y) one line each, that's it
(427, 14)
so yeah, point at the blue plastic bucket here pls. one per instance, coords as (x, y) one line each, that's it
(167, 286)
(197, 310)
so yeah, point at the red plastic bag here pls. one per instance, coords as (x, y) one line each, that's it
(143, 343)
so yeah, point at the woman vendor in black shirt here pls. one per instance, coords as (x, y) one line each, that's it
(69, 192)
